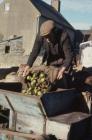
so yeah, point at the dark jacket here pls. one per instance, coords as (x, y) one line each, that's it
(58, 53)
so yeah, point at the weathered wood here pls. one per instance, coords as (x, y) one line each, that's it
(70, 118)
(60, 130)
(29, 124)
(14, 114)
(12, 133)
(28, 105)
(30, 117)
(62, 125)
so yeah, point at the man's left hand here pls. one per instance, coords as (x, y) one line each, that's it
(61, 73)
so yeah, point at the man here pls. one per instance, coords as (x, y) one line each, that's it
(57, 45)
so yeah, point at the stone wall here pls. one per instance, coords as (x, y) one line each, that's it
(20, 20)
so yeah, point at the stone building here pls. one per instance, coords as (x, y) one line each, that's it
(19, 26)
(19, 20)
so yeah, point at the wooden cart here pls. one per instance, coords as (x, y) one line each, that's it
(28, 120)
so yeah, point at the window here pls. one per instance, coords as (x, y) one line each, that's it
(7, 49)
(7, 6)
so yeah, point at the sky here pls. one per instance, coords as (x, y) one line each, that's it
(77, 12)
(1, 1)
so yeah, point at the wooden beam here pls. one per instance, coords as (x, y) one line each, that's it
(18, 134)
(14, 114)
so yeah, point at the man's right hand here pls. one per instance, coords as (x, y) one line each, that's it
(23, 70)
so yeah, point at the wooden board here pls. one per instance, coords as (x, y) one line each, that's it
(18, 134)
(26, 105)
(62, 125)
(29, 124)
(60, 130)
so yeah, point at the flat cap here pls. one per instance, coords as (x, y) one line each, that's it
(46, 27)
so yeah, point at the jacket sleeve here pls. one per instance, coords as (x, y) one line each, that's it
(35, 51)
(67, 52)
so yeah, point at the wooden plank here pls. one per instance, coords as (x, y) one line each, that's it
(60, 130)
(21, 138)
(18, 134)
(60, 125)
(24, 104)
(14, 114)
(29, 124)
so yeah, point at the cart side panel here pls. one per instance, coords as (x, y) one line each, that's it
(29, 124)
(60, 130)
(25, 105)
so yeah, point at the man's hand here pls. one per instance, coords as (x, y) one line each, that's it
(60, 73)
(52, 73)
(23, 70)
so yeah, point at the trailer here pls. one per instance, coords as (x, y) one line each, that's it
(29, 119)
(64, 114)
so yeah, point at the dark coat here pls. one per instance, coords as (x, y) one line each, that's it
(58, 53)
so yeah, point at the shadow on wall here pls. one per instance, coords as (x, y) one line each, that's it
(1, 37)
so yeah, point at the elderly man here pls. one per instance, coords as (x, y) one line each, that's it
(57, 45)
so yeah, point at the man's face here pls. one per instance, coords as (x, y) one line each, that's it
(50, 37)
